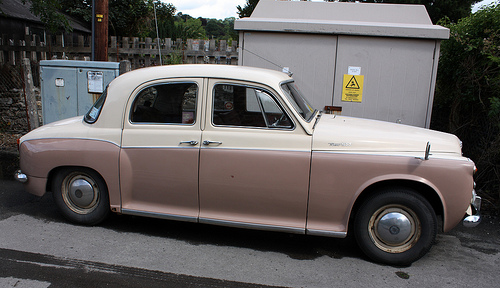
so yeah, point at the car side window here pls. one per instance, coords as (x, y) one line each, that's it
(239, 105)
(169, 103)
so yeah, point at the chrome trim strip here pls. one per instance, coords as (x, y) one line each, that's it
(333, 234)
(161, 147)
(211, 147)
(72, 138)
(255, 149)
(159, 215)
(388, 154)
(252, 226)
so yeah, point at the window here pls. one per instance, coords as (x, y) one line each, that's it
(171, 103)
(298, 101)
(238, 105)
(95, 110)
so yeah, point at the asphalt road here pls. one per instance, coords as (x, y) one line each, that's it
(38, 248)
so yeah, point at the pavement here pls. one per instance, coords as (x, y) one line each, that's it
(38, 248)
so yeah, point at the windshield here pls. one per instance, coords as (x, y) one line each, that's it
(298, 101)
(95, 110)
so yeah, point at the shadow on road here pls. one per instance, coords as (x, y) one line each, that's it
(14, 200)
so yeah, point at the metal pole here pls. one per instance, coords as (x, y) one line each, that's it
(92, 55)
(157, 36)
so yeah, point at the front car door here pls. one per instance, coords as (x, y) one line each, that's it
(160, 149)
(254, 160)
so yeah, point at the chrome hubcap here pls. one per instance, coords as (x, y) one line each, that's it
(80, 193)
(394, 228)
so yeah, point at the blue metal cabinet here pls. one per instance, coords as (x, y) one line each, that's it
(70, 87)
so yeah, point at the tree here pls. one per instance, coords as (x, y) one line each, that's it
(78, 9)
(229, 32)
(191, 28)
(165, 17)
(215, 28)
(247, 10)
(437, 9)
(126, 17)
(467, 100)
(49, 13)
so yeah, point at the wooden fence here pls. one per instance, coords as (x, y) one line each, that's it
(141, 52)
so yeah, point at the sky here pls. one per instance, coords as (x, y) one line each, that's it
(218, 9)
(484, 2)
(221, 9)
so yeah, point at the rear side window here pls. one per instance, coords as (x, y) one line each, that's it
(95, 110)
(169, 103)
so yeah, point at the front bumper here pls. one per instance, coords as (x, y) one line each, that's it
(474, 216)
(20, 176)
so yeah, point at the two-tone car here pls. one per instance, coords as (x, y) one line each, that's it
(242, 147)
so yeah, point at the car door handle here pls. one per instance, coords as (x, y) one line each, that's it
(192, 142)
(208, 142)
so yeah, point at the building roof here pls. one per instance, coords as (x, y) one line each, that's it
(367, 19)
(17, 10)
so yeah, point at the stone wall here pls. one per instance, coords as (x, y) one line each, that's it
(13, 111)
(16, 87)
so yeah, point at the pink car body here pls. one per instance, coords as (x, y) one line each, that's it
(265, 161)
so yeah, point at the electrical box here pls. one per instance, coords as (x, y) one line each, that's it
(376, 61)
(70, 87)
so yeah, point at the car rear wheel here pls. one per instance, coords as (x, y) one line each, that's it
(396, 227)
(81, 195)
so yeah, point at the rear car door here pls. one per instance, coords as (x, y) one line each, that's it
(160, 149)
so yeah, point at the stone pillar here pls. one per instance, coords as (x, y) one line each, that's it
(29, 89)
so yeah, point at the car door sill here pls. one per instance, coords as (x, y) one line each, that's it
(254, 226)
(160, 215)
(325, 233)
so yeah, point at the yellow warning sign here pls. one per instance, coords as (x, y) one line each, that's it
(352, 88)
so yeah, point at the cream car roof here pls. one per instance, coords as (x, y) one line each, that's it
(120, 89)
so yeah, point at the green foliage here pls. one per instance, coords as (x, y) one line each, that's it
(128, 17)
(49, 13)
(221, 29)
(191, 28)
(135, 18)
(437, 9)
(80, 10)
(173, 58)
(247, 10)
(467, 100)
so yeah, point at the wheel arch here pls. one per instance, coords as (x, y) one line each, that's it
(426, 191)
(54, 171)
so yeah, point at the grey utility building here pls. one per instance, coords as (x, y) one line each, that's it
(376, 61)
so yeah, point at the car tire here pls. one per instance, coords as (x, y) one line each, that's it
(396, 226)
(81, 195)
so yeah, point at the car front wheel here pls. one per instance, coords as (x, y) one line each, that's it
(81, 195)
(396, 227)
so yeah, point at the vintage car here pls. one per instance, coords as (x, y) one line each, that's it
(240, 146)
